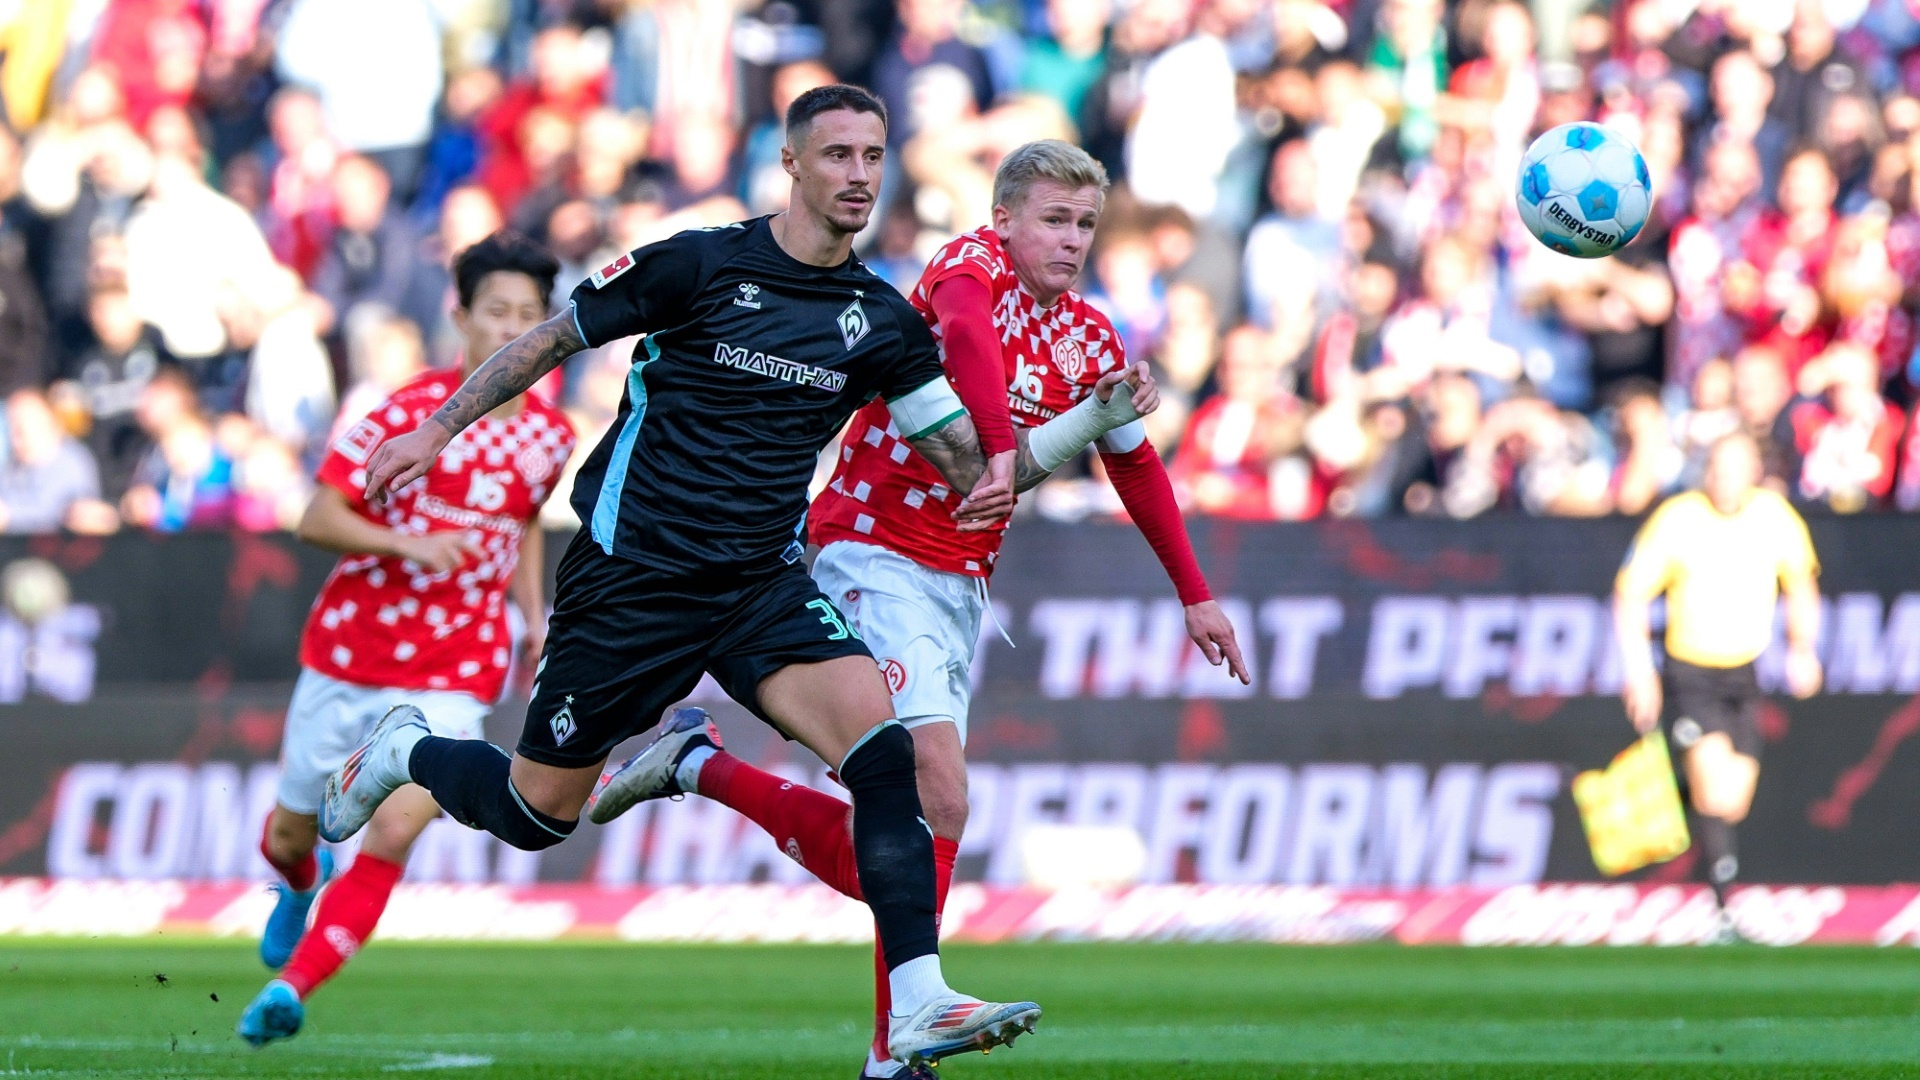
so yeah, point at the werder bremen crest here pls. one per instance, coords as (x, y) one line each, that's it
(853, 322)
(562, 723)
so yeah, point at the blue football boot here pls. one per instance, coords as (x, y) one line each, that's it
(289, 918)
(274, 1013)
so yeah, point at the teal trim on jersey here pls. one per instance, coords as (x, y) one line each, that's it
(937, 424)
(574, 310)
(606, 507)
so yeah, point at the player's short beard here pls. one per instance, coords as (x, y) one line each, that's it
(843, 217)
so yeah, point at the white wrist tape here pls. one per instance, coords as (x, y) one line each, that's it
(1125, 438)
(1061, 439)
(926, 410)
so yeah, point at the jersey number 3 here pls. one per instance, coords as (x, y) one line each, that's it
(830, 617)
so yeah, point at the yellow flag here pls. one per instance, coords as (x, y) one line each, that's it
(1631, 809)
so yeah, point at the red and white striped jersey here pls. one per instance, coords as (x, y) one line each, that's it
(885, 494)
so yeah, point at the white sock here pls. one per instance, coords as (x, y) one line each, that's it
(915, 983)
(404, 740)
(879, 1068)
(687, 773)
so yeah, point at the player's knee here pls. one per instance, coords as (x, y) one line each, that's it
(1734, 804)
(943, 799)
(528, 835)
(946, 813)
(883, 758)
(289, 837)
(527, 828)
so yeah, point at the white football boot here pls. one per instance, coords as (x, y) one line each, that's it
(371, 773)
(957, 1024)
(649, 774)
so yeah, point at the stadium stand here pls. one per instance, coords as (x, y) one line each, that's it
(225, 225)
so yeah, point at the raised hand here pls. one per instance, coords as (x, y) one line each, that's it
(1138, 376)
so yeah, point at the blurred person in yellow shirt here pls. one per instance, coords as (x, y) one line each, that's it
(1723, 556)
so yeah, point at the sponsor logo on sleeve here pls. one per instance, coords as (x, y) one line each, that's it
(972, 251)
(358, 444)
(612, 270)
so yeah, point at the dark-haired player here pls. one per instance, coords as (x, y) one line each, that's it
(762, 338)
(1002, 301)
(414, 612)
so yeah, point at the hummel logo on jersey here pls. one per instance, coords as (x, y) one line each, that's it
(562, 723)
(746, 297)
(853, 322)
(774, 367)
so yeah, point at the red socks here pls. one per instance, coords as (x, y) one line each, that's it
(342, 921)
(810, 826)
(945, 851)
(813, 824)
(299, 874)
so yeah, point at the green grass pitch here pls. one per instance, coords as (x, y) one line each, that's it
(573, 1012)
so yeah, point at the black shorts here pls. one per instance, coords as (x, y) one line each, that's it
(1703, 700)
(626, 641)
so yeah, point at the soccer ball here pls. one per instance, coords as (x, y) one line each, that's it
(33, 589)
(1584, 190)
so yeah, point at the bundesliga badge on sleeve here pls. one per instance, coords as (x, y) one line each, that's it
(1631, 809)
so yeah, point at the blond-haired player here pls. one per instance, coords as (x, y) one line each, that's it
(1015, 335)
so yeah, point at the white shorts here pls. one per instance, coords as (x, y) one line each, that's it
(328, 718)
(921, 624)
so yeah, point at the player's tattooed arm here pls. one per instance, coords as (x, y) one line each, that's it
(506, 375)
(510, 372)
(954, 449)
(1027, 473)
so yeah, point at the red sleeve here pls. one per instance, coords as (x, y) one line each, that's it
(1141, 482)
(964, 307)
(1886, 443)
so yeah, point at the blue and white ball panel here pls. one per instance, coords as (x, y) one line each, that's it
(1569, 171)
(1613, 163)
(1583, 190)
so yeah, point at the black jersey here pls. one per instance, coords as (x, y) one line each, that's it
(751, 362)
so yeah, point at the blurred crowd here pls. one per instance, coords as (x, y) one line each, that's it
(225, 227)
